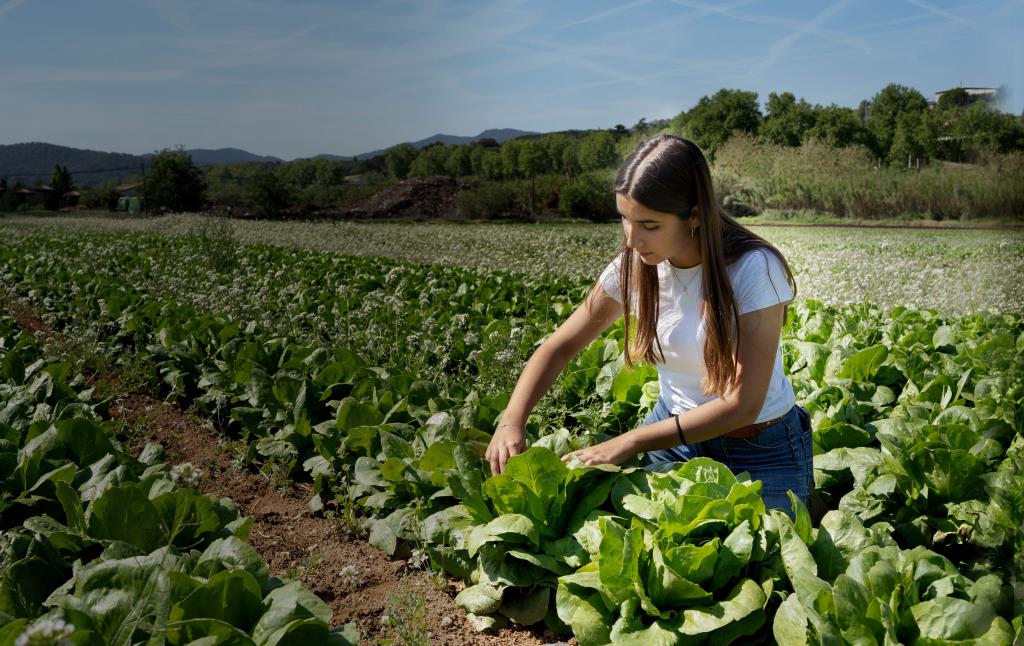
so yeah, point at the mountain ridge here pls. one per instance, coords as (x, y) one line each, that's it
(33, 161)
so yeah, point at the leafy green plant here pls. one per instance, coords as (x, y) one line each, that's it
(854, 585)
(691, 559)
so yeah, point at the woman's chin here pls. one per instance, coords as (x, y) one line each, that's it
(648, 259)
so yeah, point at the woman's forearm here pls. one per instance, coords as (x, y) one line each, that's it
(704, 422)
(538, 374)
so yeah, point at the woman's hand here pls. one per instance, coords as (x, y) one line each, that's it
(507, 441)
(614, 451)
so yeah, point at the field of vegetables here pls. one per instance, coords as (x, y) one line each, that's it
(379, 380)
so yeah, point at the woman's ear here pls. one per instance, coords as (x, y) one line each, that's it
(695, 211)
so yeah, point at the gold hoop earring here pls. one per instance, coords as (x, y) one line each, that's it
(691, 232)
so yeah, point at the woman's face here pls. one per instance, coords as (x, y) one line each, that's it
(657, 236)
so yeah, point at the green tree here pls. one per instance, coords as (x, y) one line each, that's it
(597, 151)
(430, 162)
(570, 160)
(554, 147)
(510, 157)
(267, 194)
(458, 163)
(619, 131)
(713, 120)
(399, 160)
(895, 103)
(987, 130)
(491, 165)
(476, 160)
(533, 159)
(173, 183)
(61, 183)
(838, 126)
(914, 140)
(788, 120)
(9, 199)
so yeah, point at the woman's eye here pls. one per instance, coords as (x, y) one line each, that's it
(648, 227)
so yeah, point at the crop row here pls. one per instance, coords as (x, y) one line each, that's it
(98, 547)
(886, 391)
(976, 269)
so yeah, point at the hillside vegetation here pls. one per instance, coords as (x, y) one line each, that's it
(895, 155)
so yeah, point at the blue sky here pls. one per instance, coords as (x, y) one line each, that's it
(297, 78)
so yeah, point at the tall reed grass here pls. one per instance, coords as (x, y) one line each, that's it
(848, 183)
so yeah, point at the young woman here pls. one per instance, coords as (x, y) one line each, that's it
(708, 299)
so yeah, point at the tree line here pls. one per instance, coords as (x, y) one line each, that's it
(570, 170)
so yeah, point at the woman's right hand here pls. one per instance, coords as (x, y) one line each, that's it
(507, 441)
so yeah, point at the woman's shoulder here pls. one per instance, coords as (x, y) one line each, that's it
(759, 279)
(757, 259)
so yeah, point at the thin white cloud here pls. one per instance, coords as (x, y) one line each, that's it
(772, 21)
(10, 6)
(607, 12)
(777, 52)
(942, 13)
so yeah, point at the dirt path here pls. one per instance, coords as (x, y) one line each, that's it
(295, 543)
(299, 545)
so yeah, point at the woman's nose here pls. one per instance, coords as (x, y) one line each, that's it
(633, 240)
(630, 235)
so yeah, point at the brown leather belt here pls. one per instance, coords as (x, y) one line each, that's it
(753, 430)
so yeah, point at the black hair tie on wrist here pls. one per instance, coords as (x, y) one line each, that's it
(679, 430)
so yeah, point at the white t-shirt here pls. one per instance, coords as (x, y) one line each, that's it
(758, 281)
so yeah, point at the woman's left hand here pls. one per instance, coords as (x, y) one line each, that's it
(614, 451)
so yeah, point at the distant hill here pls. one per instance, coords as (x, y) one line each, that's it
(501, 135)
(208, 157)
(32, 162)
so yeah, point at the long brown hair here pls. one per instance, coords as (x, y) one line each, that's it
(671, 175)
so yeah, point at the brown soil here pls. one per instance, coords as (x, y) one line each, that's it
(295, 543)
(418, 198)
(26, 318)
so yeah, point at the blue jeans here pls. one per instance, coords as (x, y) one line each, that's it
(780, 456)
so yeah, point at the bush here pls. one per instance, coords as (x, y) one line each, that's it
(490, 200)
(101, 196)
(546, 192)
(590, 197)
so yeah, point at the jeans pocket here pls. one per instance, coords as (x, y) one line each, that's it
(772, 438)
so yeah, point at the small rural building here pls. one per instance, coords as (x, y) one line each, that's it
(990, 95)
(128, 198)
(127, 190)
(69, 201)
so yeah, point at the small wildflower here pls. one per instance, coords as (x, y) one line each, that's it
(350, 578)
(418, 560)
(48, 632)
(186, 474)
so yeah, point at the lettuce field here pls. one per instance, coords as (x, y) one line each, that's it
(373, 362)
